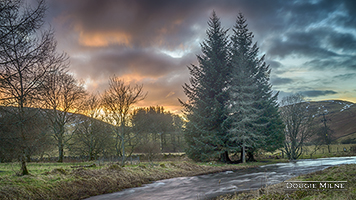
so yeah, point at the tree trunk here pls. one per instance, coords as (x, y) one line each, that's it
(91, 155)
(28, 156)
(250, 156)
(23, 164)
(293, 150)
(60, 150)
(123, 153)
(117, 145)
(243, 154)
(224, 157)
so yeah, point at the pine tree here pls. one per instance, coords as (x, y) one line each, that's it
(207, 97)
(242, 90)
(253, 115)
(274, 129)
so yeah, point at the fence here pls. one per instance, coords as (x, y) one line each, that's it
(129, 160)
(335, 148)
(133, 160)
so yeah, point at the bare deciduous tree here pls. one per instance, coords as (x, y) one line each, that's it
(26, 56)
(117, 104)
(91, 136)
(297, 119)
(325, 133)
(61, 95)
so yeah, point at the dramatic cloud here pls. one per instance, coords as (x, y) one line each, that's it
(316, 93)
(275, 80)
(350, 76)
(309, 45)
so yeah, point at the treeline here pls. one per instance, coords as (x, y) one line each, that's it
(88, 134)
(44, 109)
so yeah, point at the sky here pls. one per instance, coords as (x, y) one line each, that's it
(309, 45)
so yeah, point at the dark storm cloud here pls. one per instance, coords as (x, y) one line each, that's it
(345, 61)
(345, 76)
(152, 41)
(137, 61)
(149, 63)
(275, 80)
(348, 19)
(303, 13)
(282, 49)
(309, 30)
(171, 22)
(147, 23)
(317, 93)
(344, 41)
(309, 43)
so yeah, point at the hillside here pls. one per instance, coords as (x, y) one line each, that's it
(340, 115)
(37, 135)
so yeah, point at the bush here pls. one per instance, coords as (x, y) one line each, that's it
(142, 166)
(114, 167)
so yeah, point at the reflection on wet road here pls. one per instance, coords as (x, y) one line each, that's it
(212, 185)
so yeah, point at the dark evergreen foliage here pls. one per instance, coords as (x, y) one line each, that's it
(267, 102)
(231, 105)
(244, 90)
(207, 94)
(254, 107)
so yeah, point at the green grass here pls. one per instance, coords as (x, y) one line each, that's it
(336, 150)
(60, 181)
(36, 168)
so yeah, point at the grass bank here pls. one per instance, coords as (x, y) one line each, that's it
(313, 152)
(70, 181)
(279, 192)
(336, 150)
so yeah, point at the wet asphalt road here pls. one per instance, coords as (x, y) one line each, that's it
(212, 185)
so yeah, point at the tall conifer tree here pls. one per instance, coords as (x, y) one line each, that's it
(243, 89)
(253, 109)
(207, 96)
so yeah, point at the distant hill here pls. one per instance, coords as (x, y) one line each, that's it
(341, 116)
(41, 112)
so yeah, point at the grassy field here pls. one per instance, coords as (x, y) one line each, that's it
(68, 181)
(279, 192)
